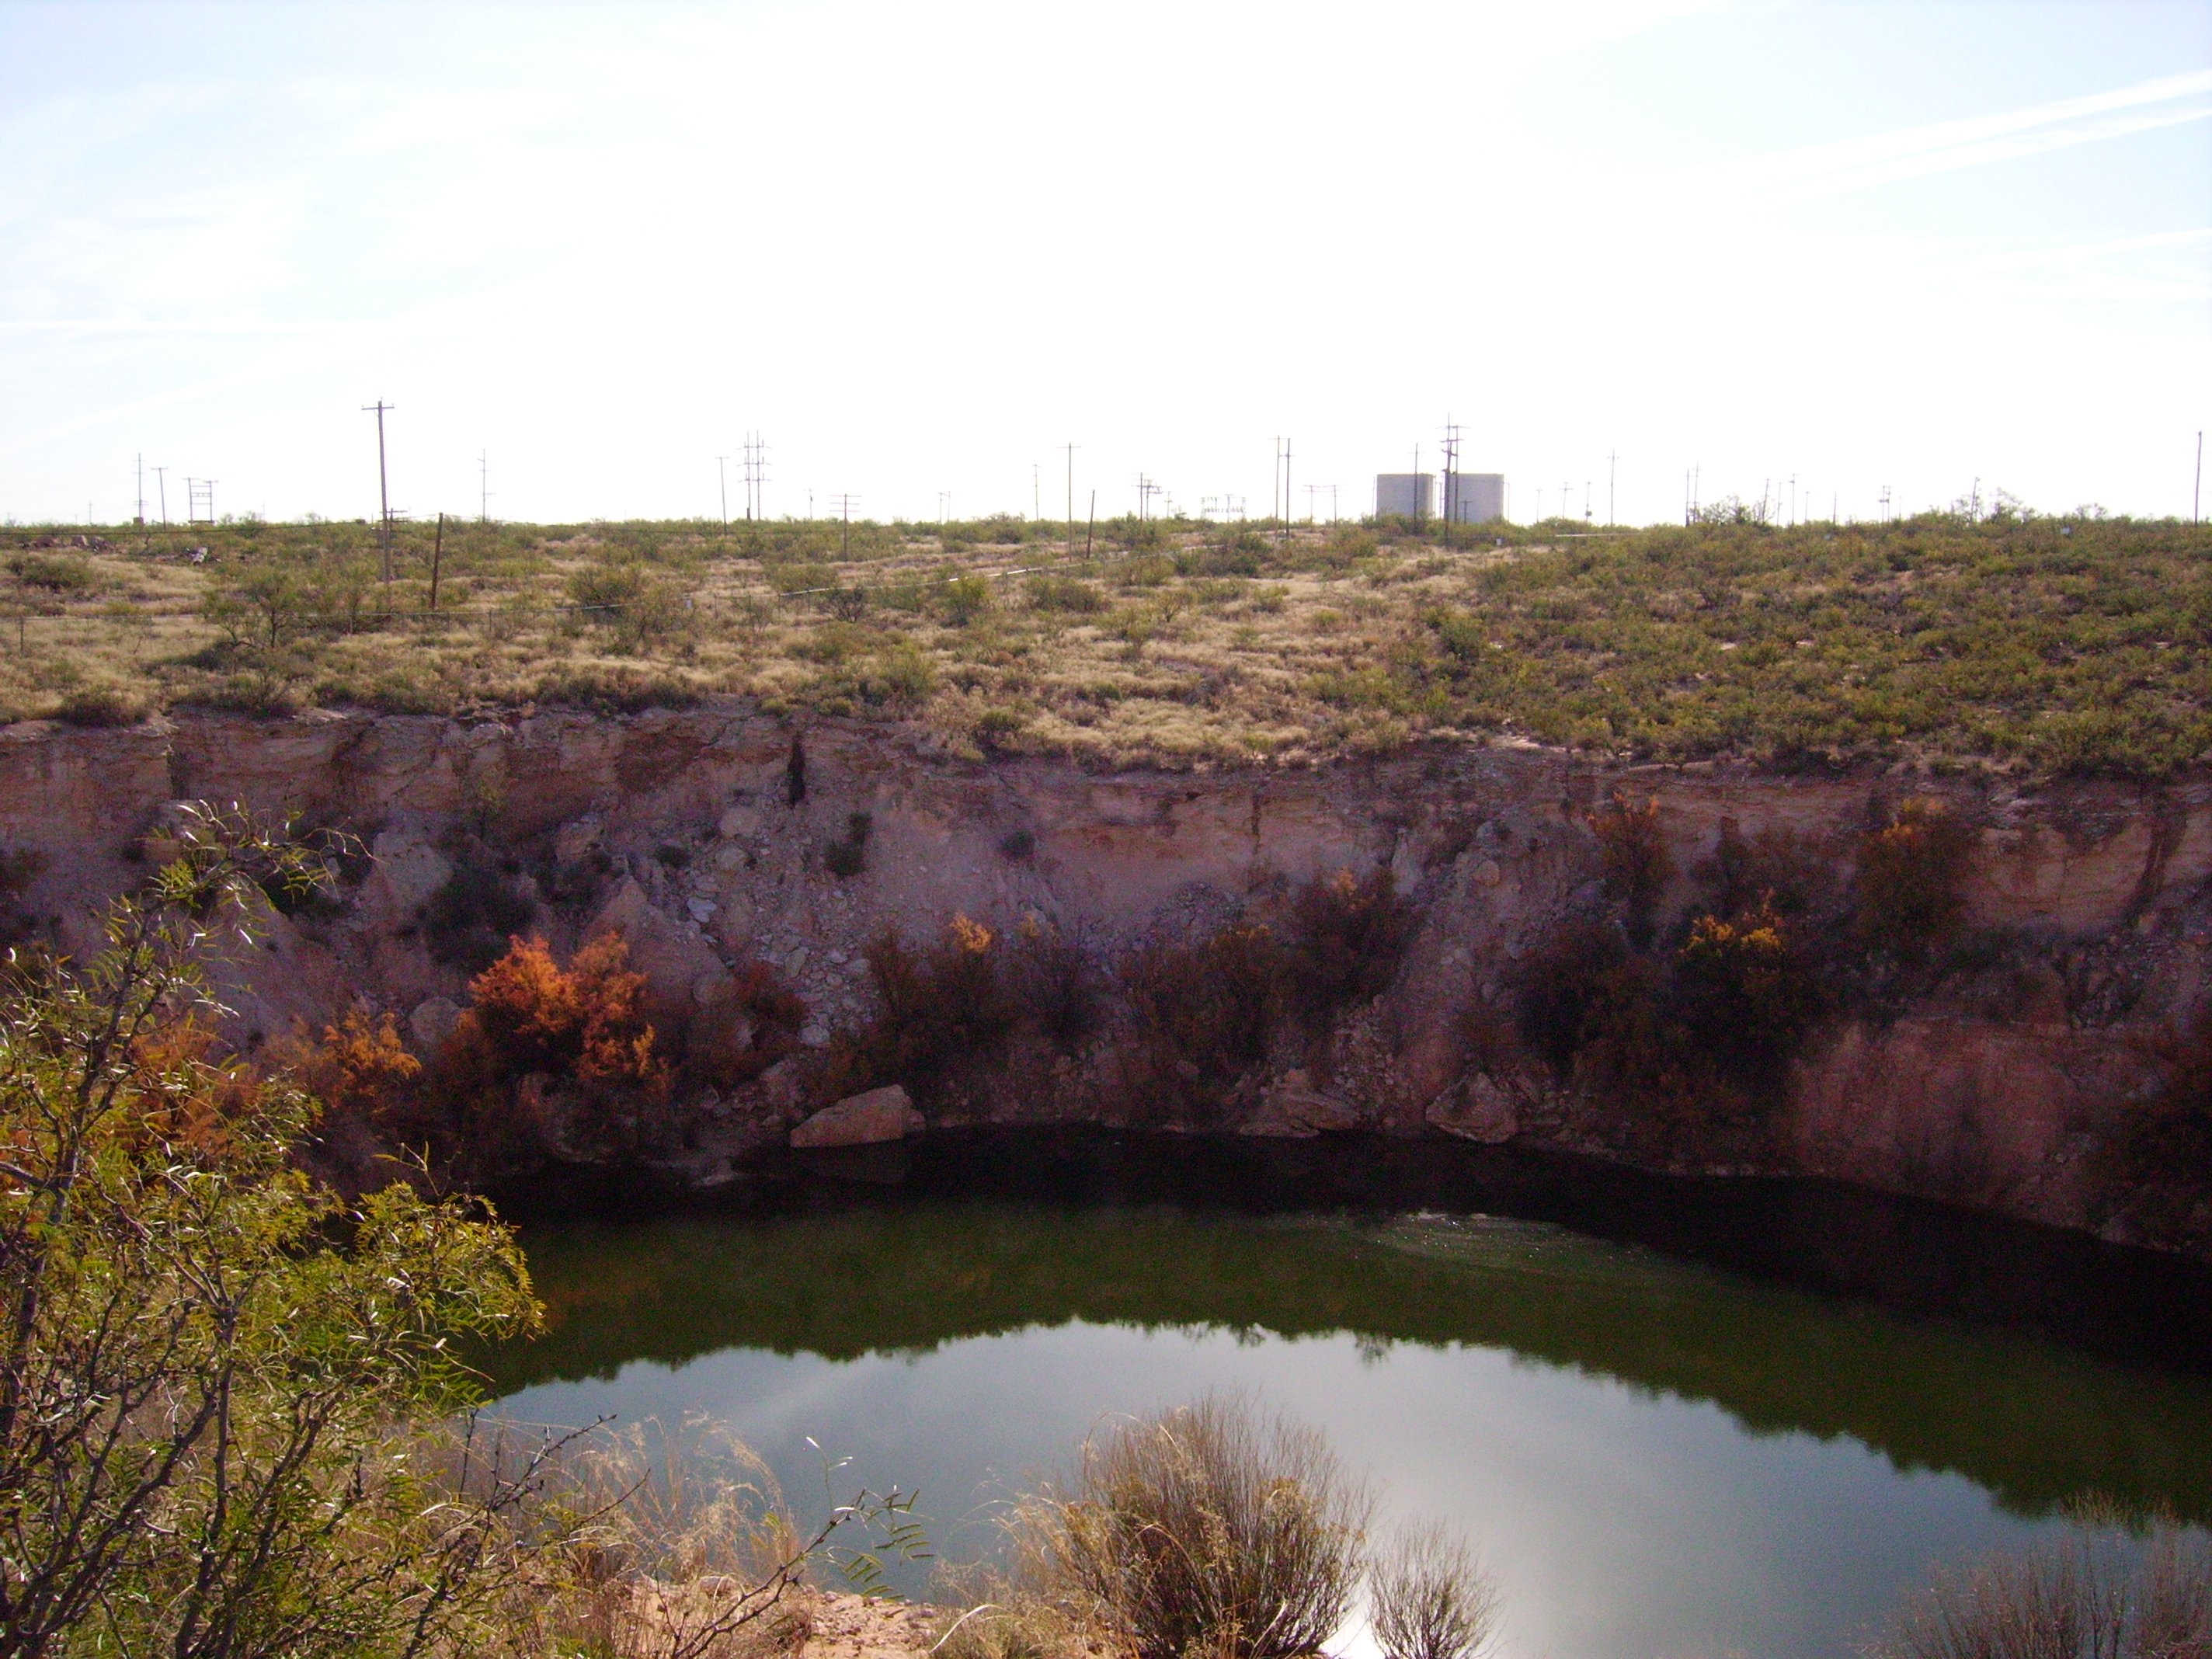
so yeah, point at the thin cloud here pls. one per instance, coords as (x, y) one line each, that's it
(1822, 170)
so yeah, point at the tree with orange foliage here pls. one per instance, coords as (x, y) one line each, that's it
(545, 1052)
(585, 1021)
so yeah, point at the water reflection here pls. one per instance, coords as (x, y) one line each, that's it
(1659, 1455)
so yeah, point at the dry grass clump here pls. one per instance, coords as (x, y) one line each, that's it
(1214, 1531)
(2087, 1598)
(1207, 1529)
(675, 1546)
(1428, 1597)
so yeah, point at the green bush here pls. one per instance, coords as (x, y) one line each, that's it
(226, 1383)
(963, 600)
(1065, 593)
(57, 573)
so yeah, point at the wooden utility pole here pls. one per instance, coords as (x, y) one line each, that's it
(379, 409)
(1070, 500)
(437, 558)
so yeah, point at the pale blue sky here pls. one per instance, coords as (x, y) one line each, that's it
(919, 247)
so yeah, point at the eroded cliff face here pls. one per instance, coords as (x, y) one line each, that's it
(680, 830)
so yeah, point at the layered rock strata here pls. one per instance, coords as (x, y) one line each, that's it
(699, 836)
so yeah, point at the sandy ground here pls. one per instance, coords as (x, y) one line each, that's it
(848, 1626)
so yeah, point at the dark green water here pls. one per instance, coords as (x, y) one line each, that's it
(1679, 1418)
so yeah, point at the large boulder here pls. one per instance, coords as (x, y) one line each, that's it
(866, 1119)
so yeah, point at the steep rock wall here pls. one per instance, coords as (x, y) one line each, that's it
(679, 829)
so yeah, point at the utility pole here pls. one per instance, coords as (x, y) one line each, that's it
(437, 560)
(161, 483)
(1451, 471)
(1070, 500)
(483, 486)
(756, 477)
(944, 508)
(379, 409)
(141, 492)
(844, 506)
(722, 475)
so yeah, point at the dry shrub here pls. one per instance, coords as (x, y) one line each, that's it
(1429, 1598)
(1564, 985)
(1000, 1621)
(953, 1010)
(474, 912)
(1911, 878)
(2159, 1161)
(1744, 989)
(1209, 1529)
(1631, 849)
(360, 1069)
(1202, 1013)
(679, 1557)
(1780, 867)
(1345, 935)
(103, 702)
(1686, 1040)
(946, 1009)
(2086, 1598)
(1056, 989)
(752, 1021)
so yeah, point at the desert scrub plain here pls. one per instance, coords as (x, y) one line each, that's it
(2048, 645)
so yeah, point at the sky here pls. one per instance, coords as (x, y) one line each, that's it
(921, 248)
